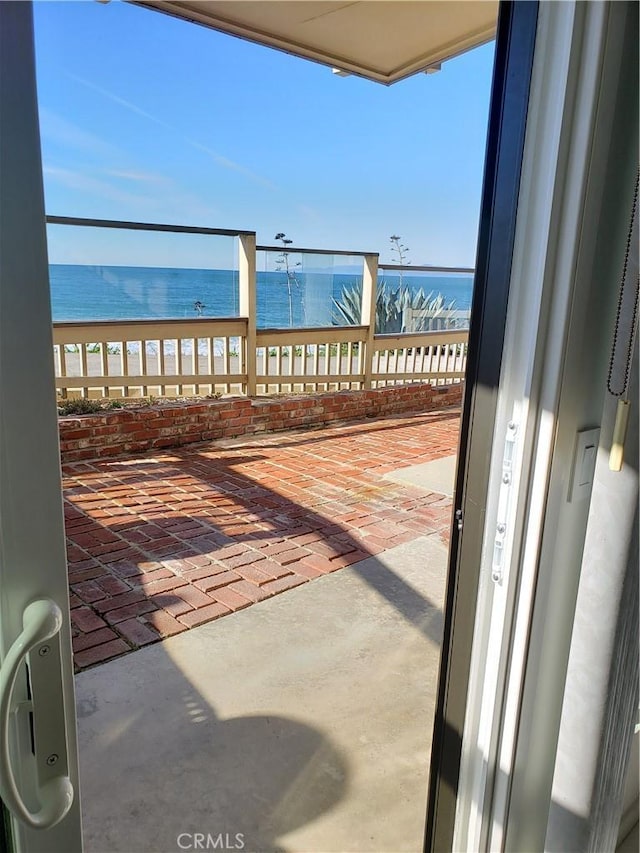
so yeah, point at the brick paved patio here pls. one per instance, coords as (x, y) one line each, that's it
(160, 543)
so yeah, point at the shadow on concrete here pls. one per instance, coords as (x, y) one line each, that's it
(164, 767)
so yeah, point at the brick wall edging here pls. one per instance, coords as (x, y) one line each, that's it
(135, 430)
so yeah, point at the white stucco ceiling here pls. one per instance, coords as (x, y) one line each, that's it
(383, 40)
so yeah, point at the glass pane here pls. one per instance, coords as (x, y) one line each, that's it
(416, 300)
(302, 289)
(101, 273)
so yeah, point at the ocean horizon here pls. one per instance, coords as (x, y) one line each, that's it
(93, 293)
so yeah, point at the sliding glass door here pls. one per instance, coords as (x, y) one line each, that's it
(38, 760)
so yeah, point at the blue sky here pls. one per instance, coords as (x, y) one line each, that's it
(144, 117)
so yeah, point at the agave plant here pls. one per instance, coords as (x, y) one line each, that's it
(398, 308)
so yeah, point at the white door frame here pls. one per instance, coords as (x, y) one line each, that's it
(551, 387)
(32, 541)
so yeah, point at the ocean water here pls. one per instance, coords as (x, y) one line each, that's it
(84, 293)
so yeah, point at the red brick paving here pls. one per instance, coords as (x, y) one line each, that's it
(159, 543)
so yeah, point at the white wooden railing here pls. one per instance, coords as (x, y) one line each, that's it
(203, 356)
(206, 357)
(326, 359)
(142, 358)
(436, 357)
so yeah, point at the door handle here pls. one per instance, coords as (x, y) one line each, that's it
(41, 622)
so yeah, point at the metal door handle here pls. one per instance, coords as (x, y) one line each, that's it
(41, 621)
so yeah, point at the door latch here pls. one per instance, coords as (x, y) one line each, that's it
(504, 500)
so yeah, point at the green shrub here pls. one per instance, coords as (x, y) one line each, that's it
(80, 406)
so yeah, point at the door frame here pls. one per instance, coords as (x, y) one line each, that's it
(550, 388)
(515, 45)
(41, 702)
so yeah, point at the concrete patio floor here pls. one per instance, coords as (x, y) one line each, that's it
(159, 544)
(302, 723)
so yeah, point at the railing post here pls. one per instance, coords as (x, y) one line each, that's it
(248, 308)
(368, 313)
